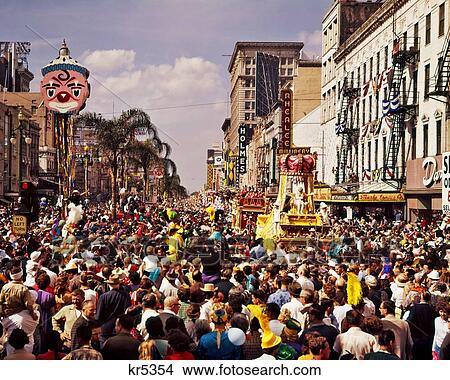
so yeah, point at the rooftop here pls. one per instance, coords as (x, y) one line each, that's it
(273, 44)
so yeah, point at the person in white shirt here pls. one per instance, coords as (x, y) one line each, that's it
(149, 303)
(441, 326)
(294, 306)
(303, 280)
(354, 342)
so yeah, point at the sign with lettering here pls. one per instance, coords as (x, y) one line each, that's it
(432, 174)
(242, 153)
(299, 150)
(446, 183)
(19, 224)
(381, 197)
(286, 118)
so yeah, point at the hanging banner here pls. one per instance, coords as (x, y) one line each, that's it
(64, 86)
(286, 120)
(242, 154)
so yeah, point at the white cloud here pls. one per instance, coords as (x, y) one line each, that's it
(312, 41)
(158, 88)
(108, 60)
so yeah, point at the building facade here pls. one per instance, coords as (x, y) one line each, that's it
(242, 68)
(398, 126)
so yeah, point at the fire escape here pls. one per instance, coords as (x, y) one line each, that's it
(442, 76)
(345, 129)
(399, 106)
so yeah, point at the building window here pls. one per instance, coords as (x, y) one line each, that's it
(425, 140)
(416, 35)
(363, 158)
(283, 60)
(378, 63)
(386, 57)
(370, 108)
(358, 79)
(441, 19)
(369, 156)
(384, 149)
(364, 73)
(376, 153)
(289, 72)
(413, 143)
(438, 137)
(371, 68)
(290, 61)
(248, 105)
(363, 112)
(248, 61)
(427, 81)
(428, 29)
(414, 80)
(377, 105)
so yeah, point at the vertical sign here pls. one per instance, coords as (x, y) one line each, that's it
(242, 154)
(446, 183)
(286, 118)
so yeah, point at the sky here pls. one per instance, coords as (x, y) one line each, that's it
(167, 57)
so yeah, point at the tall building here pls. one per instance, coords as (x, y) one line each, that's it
(339, 23)
(14, 73)
(242, 68)
(388, 109)
(45, 166)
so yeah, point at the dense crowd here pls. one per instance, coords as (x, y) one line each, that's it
(162, 282)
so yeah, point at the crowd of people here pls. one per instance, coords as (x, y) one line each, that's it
(161, 282)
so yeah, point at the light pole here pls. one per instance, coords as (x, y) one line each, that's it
(22, 118)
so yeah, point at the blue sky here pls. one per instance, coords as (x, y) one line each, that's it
(160, 54)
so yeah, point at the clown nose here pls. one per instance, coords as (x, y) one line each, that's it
(63, 97)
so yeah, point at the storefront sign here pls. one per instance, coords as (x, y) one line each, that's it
(242, 154)
(343, 197)
(252, 202)
(381, 197)
(286, 118)
(322, 194)
(432, 174)
(446, 183)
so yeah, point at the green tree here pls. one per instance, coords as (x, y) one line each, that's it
(115, 136)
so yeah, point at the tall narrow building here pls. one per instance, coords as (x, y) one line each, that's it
(242, 68)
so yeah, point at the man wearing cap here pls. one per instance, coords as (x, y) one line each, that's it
(110, 305)
(15, 296)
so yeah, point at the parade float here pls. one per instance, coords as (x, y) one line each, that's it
(292, 215)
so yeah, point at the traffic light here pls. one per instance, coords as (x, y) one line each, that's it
(28, 201)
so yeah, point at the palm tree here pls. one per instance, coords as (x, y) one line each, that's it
(115, 136)
(145, 155)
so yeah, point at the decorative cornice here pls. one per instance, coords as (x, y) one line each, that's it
(387, 10)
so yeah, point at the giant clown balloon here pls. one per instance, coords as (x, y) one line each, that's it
(64, 86)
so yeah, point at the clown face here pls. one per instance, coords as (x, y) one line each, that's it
(65, 91)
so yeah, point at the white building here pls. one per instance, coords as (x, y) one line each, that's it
(413, 30)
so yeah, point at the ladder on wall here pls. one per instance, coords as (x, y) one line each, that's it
(344, 129)
(398, 107)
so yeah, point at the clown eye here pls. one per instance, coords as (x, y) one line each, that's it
(76, 92)
(50, 92)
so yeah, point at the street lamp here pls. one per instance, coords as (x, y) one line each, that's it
(13, 140)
